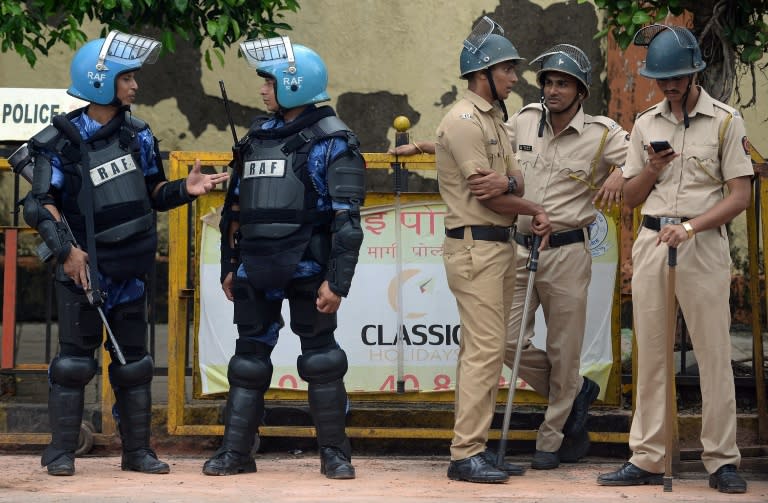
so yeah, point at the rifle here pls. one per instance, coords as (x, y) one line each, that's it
(237, 155)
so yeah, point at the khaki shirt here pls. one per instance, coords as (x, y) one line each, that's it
(693, 182)
(563, 172)
(470, 136)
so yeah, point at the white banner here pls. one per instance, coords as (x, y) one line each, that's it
(25, 111)
(367, 320)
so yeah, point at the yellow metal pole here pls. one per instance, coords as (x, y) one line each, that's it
(758, 362)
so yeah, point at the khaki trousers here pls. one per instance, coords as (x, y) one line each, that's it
(481, 277)
(702, 288)
(560, 288)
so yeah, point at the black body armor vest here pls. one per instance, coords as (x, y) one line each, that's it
(126, 240)
(278, 201)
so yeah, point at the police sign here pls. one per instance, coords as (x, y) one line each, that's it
(25, 111)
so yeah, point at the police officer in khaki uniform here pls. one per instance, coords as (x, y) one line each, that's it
(565, 156)
(478, 252)
(682, 190)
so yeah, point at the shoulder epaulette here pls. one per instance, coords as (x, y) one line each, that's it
(531, 106)
(603, 120)
(652, 107)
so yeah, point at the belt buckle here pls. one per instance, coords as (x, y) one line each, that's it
(669, 221)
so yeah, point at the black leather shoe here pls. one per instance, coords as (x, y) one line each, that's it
(508, 468)
(574, 447)
(577, 419)
(143, 460)
(334, 464)
(229, 463)
(543, 460)
(726, 480)
(476, 469)
(630, 475)
(64, 465)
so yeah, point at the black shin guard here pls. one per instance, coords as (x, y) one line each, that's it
(134, 420)
(328, 406)
(134, 416)
(65, 413)
(244, 412)
(245, 409)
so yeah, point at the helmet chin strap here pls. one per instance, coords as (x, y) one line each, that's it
(543, 120)
(686, 120)
(495, 94)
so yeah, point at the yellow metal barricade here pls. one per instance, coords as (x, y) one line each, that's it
(184, 302)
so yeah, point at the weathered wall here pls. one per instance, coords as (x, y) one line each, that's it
(384, 59)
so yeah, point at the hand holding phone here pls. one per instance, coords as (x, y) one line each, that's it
(659, 146)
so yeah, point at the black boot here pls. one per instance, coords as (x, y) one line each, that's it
(65, 413)
(244, 412)
(133, 413)
(328, 405)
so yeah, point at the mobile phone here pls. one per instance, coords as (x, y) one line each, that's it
(660, 145)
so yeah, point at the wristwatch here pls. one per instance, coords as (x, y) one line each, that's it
(511, 184)
(689, 229)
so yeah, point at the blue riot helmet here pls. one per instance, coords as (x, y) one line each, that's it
(299, 72)
(485, 47)
(567, 59)
(672, 52)
(96, 65)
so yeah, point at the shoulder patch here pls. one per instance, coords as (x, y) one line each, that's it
(465, 115)
(747, 147)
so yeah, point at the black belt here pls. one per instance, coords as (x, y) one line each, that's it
(656, 223)
(555, 240)
(481, 233)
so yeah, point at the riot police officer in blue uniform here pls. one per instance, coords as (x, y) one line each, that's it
(97, 180)
(290, 230)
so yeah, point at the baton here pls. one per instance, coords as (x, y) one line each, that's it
(112, 338)
(96, 299)
(532, 266)
(669, 426)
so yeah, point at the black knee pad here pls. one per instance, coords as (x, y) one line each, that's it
(250, 372)
(72, 371)
(132, 373)
(319, 367)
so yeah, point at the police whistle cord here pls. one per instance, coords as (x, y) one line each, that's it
(92, 290)
(670, 395)
(532, 266)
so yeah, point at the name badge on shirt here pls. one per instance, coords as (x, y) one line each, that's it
(264, 168)
(526, 148)
(112, 169)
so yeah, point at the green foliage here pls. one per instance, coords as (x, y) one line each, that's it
(32, 28)
(741, 21)
(625, 17)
